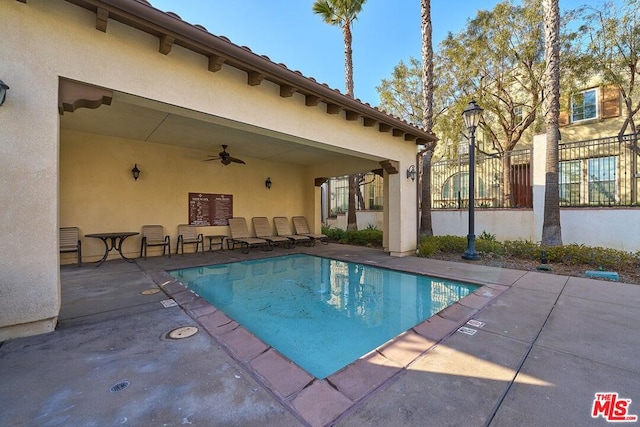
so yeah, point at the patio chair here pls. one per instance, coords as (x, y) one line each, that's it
(263, 231)
(188, 234)
(284, 230)
(301, 227)
(153, 235)
(70, 242)
(240, 235)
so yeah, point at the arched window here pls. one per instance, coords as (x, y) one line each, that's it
(460, 182)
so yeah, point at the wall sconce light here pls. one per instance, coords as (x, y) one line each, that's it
(3, 91)
(135, 172)
(267, 183)
(411, 173)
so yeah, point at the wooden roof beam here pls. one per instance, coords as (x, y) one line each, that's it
(390, 166)
(351, 115)
(254, 78)
(102, 19)
(383, 127)
(215, 63)
(73, 95)
(166, 43)
(333, 109)
(369, 122)
(311, 100)
(287, 91)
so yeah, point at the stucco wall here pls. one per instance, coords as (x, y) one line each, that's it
(603, 227)
(43, 40)
(98, 192)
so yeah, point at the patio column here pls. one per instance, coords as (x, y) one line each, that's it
(400, 219)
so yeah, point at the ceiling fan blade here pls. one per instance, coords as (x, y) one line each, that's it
(233, 159)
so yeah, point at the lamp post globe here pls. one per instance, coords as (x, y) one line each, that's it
(472, 115)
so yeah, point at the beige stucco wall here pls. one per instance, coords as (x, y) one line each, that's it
(43, 40)
(98, 192)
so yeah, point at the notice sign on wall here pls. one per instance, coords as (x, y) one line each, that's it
(210, 209)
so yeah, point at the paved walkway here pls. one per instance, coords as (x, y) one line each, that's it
(546, 345)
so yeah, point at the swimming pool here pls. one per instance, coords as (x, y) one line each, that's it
(321, 313)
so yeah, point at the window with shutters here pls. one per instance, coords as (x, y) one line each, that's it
(584, 105)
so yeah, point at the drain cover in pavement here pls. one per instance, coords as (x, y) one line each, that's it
(120, 386)
(183, 332)
(150, 291)
(166, 303)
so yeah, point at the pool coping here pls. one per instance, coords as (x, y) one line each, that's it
(323, 401)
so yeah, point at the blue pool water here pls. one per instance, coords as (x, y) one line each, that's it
(321, 313)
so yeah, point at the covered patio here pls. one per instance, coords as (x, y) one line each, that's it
(98, 86)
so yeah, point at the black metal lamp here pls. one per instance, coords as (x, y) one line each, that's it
(411, 173)
(135, 172)
(3, 91)
(472, 115)
(267, 183)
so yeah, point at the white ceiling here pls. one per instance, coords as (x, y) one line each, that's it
(144, 120)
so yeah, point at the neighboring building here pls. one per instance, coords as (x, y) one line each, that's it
(592, 162)
(98, 86)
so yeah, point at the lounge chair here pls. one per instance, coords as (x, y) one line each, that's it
(153, 235)
(284, 230)
(301, 227)
(188, 234)
(240, 235)
(263, 231)
(70, 241)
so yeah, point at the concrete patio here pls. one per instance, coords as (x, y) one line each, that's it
(545, 346)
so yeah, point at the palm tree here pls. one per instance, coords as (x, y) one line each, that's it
(426, 228)
(551, 231)
(342, 13)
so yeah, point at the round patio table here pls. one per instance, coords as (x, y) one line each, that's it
(112, 241)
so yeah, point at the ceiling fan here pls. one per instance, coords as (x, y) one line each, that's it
(224, 157)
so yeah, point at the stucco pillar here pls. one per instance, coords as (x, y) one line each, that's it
(313, 211)
(400, 214)
(29, 271)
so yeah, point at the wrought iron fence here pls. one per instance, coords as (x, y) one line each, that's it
(596, 172)
(599, 172)
(501, 181)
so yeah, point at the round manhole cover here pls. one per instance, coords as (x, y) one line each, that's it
(151, 291)
(183, 332)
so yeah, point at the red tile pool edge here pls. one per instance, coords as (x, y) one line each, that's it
(320, 402)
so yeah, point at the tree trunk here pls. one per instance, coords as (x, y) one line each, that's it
(348, 58)
(507, 186)
(359, 196)
(352, 223)
(426, 226)
(551, 230)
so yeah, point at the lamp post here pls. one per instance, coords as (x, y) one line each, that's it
(471, 116)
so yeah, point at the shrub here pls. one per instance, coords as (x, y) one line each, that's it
(334, 234)
(572, 254)
(363, 237)
(524, 249)
(368, 237)
(432, 244)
